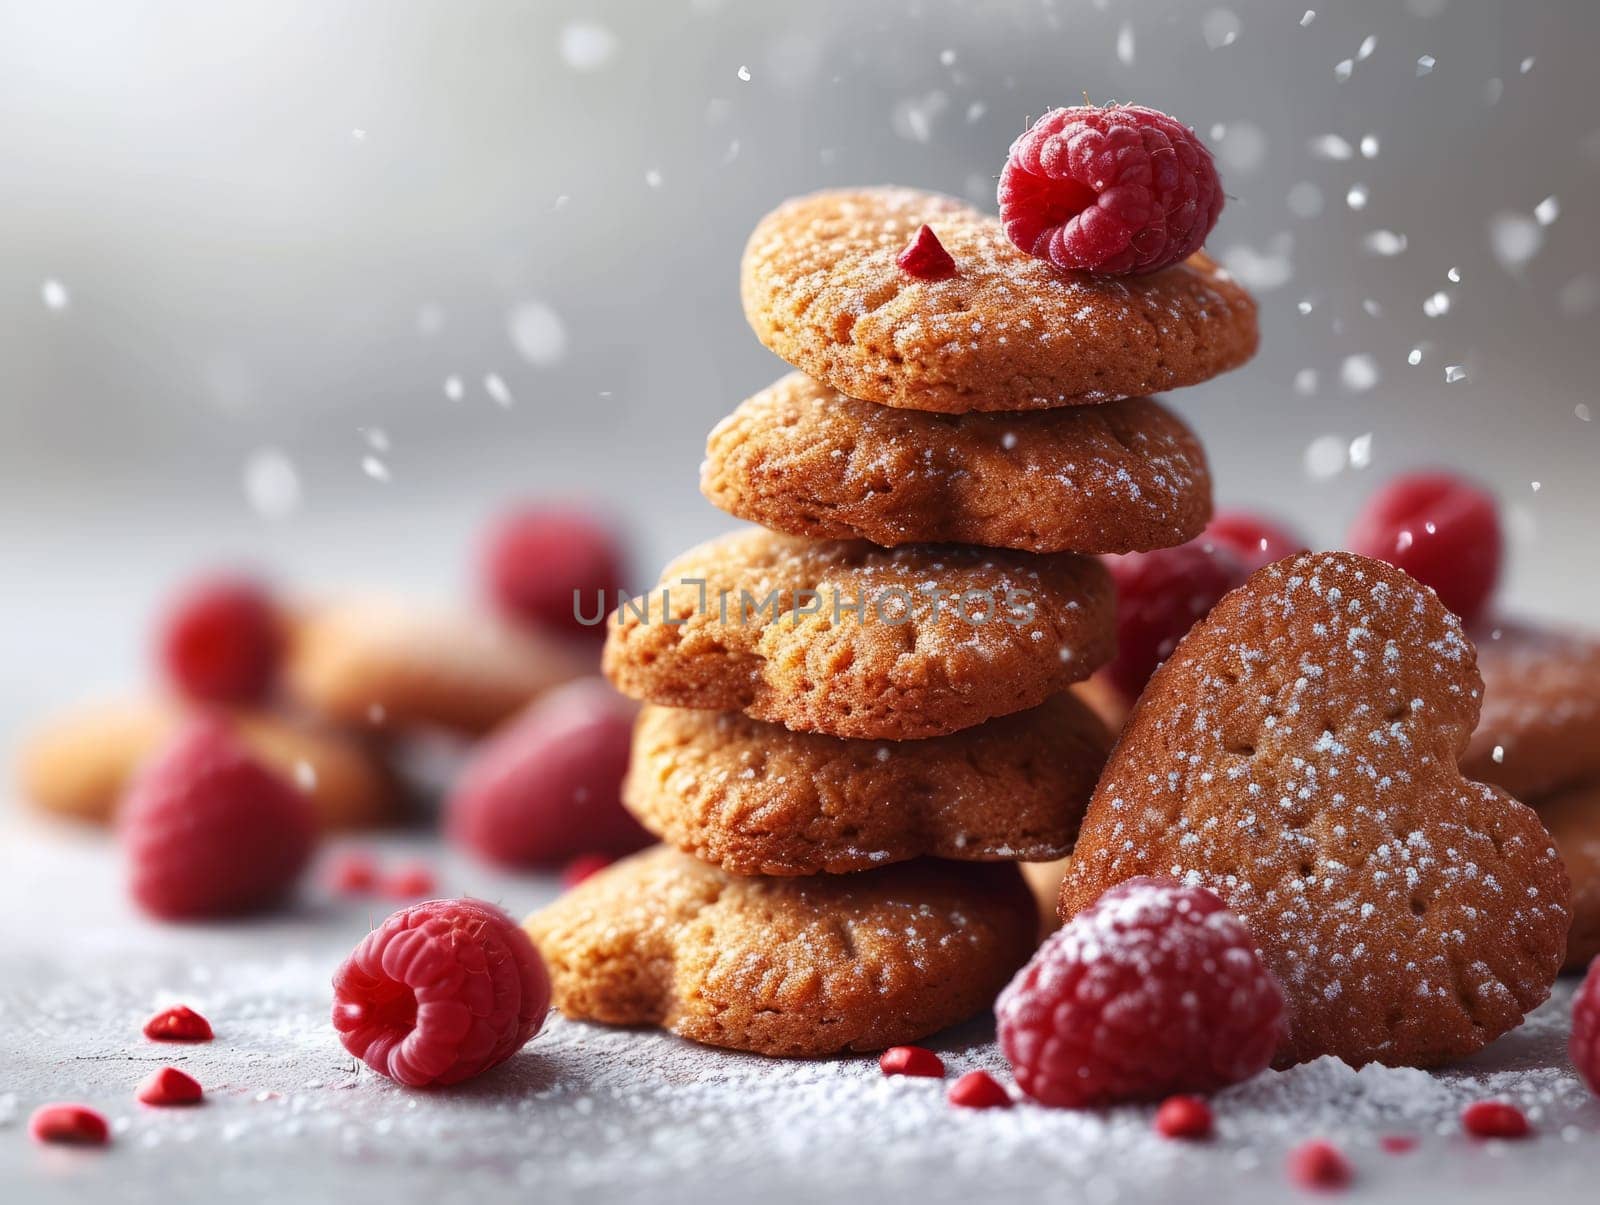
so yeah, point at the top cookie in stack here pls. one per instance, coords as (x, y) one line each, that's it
(884, 672)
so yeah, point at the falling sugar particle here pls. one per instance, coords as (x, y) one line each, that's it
(1537, 486)
(743, 74)
(1371, 307)
(947, 58)
(497, 389)
(54, 295)
(975, 111)
(305, 776)
(1425, 65)
(1437, 305)
(1244, 146)
(1305, 306)
(1368, 45)
(1453, 276)
(358, 135)
(1343, 69)
(374, 468)
(1305, 200)
(1498, 753)
(1361, 451)
(454, 389)
(1358, 373)
(377, 438)
(914, 117)
(653, 178)
(1369, 146)
(1514, 239)
(1310, 16)
(1385, 242)
(1356, 198)
(1125, 45)
(1331, 146)
(1526, 65)
(587, 45)
(1305, 382)
(537, 333)
(1325, 457)
(1414, 357)
(1547, 211)
(1493, 89)
(1219, 131)
(1454, 373)
(1220, 27)
(1582, 411)
(271, 484)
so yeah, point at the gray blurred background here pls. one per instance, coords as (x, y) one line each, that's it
(317, 284)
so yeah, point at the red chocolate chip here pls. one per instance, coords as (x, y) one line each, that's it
(169, 1086)
(1494, 1119)
(180, 1023)
(1398, 1144)
(1184, 1117)
(70, 1125)
(1319, 1164)
(925, 257)
(979, 1090)
(911, 1060)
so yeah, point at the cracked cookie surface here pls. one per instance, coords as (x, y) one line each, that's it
(1297, 754)
(849, 639)
(1006, 332)
(802, 458)
(791, 966)
(756, 798)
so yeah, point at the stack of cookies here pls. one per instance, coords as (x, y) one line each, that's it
(859, 716)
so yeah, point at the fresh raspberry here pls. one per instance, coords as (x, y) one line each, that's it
(412, 881)
(209, 831)
(1319, 1164)
(1254, 539)
(1160, 596)
(1184, 1117)
(353, 872)
(544, 566)
(180, 1023)
(911, 1060)
(1398, 1144)
(1494, 1119)
(221, 641)
(1153, 989)
(440, 992)
(71, 1125)
(169, 1086)
(1122, 190)
(547, 786)
(1584, 1045)
(1443, 531)
(979, 1090)
(582, 867)
(925, 257)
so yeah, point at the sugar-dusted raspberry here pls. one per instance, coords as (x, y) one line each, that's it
(1584, 1045)
(545, 565)
(1184, 1117)
(169, 1086)
(1443, 531)
(209, 831)
(68, 1124)
(409, 881)
(1121, 189)
(1160, 596)
(1319, 1164)
(979, 1090)
(440, 992)
(1153, 989)
(925, 257)
(1255, 539)
(180, 1023)
(1494, 1119)
(911, 1060)
(547, 786)
(582, 867)
(220, 640)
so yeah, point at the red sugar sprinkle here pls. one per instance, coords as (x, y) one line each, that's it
(925, 257)
(1494, 1119)
(169, 1086)
(180, 1023)
(1318, 1164)
(979, 1090)
(911, 1060)
(71, 1125)
(1184, 1117)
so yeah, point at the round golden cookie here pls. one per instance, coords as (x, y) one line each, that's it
(77, 764)
(1572, 817)
(1006, 332)
(798, 457)
(755, 798)
(1540, 726)
(790, 966)
(378, 663)
(849, 639)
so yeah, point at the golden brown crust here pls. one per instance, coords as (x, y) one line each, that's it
(755, 798)
(1297, 754)
(381, 663)
(799, 457)
(1007, 332)
(77, 764)
(793, 966)
(1541, 710)
(1573, 819)
(899, 672)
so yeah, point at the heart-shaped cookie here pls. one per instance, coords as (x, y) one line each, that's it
(1297, 754)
